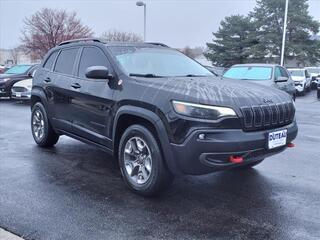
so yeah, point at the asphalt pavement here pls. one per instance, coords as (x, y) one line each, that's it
(75, 191)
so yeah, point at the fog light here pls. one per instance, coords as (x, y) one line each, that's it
(202, 136)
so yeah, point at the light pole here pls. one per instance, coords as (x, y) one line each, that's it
(140, 4)
(284, 33)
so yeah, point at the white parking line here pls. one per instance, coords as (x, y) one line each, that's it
(5, 235)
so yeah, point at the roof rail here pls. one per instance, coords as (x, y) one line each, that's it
(157, 44)
(80, 40)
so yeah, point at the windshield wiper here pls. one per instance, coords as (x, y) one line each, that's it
(147, 75)
(193, 75)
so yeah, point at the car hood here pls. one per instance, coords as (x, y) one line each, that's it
(24, 83)
(12, 76)
(296, 78)
(264, 82)
(211, 91)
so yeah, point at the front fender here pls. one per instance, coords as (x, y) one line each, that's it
(156, 121)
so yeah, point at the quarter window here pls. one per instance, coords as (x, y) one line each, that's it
(65, 61)
(50, 61)
(91, 56)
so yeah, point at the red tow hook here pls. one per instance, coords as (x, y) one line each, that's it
(236, 159)
(291, 145)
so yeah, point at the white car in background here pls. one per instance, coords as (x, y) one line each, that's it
(315, 76)
(301, 78)
(22, 89)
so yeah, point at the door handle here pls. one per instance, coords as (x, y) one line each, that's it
(47, 80)
(76, 85)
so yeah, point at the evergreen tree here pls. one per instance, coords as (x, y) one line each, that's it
(232, 42)
(258, 37)
(268, 17)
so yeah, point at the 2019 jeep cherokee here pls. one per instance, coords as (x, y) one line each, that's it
(156, 110)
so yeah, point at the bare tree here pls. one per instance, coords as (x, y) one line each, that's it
(118, 36)
(188, 51)
(193, 52)
(14, 54)
(48, 27)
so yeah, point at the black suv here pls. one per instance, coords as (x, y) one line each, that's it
(157, 111)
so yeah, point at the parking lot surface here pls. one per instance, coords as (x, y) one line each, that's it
(75, 191)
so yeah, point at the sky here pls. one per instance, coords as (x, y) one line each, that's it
(177, 23)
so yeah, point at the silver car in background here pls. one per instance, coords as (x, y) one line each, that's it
(301, 78)
(271, 75)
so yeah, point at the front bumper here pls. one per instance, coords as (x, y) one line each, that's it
(21, 95)
(4, 89)
(300, 87)
(195, 156)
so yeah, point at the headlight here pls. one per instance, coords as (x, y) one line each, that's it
(202, 111)
(6, 79)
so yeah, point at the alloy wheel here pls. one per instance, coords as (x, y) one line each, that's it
(38, 124)
(137, 160)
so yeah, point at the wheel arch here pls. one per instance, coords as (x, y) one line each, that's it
(129, 115)
(37, 95)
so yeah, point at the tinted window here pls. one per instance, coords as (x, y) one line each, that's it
(91, 57)
(50, 61)
(277, 73)
(66, 61)
(249, 73)
(284, 72)
(307, 74)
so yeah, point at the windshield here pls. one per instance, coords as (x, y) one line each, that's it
(156, 62)
(297, 73)
(249, 73)
(18, 69)
(313, 70)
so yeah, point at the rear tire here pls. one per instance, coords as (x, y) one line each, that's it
(249, 165)
(141, 162)
(42, 131)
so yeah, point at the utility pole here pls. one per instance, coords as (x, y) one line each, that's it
(144, 5)
(284, 33)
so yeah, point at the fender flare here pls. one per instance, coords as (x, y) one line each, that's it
(38, 92)
(160, 129)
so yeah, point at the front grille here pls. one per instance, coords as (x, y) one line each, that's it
(267, 116)
(19, 89)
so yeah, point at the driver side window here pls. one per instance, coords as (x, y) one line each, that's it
(277, 73)
(284, 73)
(91, 56)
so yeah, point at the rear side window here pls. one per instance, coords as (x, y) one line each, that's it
(91, 56)
(50, 61)
(65, 61)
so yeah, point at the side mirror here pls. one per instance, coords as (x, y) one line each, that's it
(98, 72)
(281, 79)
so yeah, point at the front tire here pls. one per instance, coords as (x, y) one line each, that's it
(141, 162)
(42, 131)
